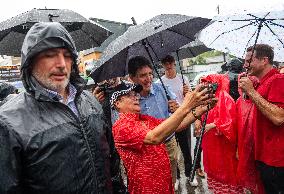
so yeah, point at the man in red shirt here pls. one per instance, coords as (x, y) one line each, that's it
(268, 115)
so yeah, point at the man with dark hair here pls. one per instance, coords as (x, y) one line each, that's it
(267, 115)
(53, 135)
(136, 63)
(179, 85)
(154, 101)
(235, 67)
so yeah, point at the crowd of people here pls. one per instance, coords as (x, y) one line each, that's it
(57, 137)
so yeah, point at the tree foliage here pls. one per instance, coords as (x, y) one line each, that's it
(201, 59)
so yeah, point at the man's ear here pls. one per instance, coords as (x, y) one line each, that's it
(132, 78)
(267, 60)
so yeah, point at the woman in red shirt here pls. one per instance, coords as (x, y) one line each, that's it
(139, 138)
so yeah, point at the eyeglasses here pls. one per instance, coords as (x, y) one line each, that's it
(133, 94)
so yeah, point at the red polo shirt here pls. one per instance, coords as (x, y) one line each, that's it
(269, 139)
(148, 166)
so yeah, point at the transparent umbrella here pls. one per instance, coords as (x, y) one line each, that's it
(235, 33)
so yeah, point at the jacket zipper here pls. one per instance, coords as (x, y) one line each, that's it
(79, 120)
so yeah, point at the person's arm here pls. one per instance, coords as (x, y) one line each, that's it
(199, 111)
(167, 127)
(271, 111)
(180, 119)
(172, 103)
(186, 87)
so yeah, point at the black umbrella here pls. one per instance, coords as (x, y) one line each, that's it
(6, 89)
(86, 34)
(192, 49)
(153, 39)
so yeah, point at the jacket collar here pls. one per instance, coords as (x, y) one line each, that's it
(41, 93)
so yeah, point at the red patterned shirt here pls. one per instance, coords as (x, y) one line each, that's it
(147, 166)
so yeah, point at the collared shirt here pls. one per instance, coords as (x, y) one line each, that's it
(148, 166)
(70, 98)
(156, 103)
(269, 138)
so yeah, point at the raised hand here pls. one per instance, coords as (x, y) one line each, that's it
(100, 95)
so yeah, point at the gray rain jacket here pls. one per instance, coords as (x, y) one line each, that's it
(44, 147)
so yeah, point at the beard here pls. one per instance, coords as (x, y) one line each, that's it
(46, 81)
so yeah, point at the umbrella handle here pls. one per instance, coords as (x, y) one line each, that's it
(155, 68)
(180, 68)
(245, 96)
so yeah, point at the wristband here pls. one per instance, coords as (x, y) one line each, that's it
(194, 114)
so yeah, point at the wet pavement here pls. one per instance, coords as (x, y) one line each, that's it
(185, 188)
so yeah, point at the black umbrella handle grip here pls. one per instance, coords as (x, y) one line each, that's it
(245, 96)
(198, 145)
(163, 85)
(155, 68)
(183, 83)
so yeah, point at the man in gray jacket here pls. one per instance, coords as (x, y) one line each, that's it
(52, 137)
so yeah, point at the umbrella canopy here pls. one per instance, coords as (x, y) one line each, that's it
(6, 89)
(192, 49)
(161, 35)
(86, 33)
(235, 33)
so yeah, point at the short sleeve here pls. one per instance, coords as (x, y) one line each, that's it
(152, 122)
(130, 135)
(276, 92)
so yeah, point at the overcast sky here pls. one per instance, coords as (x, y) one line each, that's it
(141, 10)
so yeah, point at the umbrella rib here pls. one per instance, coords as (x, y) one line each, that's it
(279, 25)
(191, 52)
(180, 34)
(5, 35)
(273, 33)
(255, 18)
(231, 31)
(257, 35)
(244, 20)
(152, 49)
(145, 43)
(258, 18)
(249, 40)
